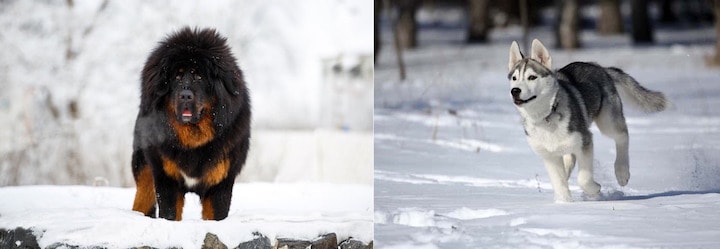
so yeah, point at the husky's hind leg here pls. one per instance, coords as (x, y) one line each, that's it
(611, 123)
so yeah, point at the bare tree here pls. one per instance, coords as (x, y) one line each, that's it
(642, 31)
(667, 14)
(479, 21)
(525, 23)
(378, 11)
(406, 23)
(610, 19)
(715, 60)
(568, 26)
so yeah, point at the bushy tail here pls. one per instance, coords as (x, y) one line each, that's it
(631, 91)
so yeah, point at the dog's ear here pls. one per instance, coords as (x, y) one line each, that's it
(515, 55)
(230, 81)
(540, 54)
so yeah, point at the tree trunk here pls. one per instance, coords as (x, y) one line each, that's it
(667, 14)
(610, 19)
(378, 11)
(642, 30)
(716, 59)
(525, 23)
(406, 24)
(479, 21)
(568, 27)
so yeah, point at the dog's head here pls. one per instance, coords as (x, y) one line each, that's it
(190, 95)
(530, 78)
(190, 74)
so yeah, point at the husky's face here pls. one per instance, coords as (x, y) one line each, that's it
(530, 78)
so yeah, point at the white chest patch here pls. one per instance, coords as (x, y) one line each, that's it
(189, 181)
(556, 141)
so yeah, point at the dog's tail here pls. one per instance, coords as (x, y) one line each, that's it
(630, 90)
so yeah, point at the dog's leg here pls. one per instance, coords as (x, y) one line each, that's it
(216, 202)
(145, 191)
(170, 198)
(611, 123)
(622, 165)
(558, 178)
(585, 172)
(569, 162)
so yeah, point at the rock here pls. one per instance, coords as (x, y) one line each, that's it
(58, 245)
(212, 242)
(351, 243)
(18, 238)
(292, 244)
(259, 242)
(327, 241)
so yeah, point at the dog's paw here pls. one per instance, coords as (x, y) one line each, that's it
(563, 198)
(593, 197)
(622, 177)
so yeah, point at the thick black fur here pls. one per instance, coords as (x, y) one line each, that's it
(217, 79)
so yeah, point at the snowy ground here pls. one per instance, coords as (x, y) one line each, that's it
(453, 168)
(101, 216)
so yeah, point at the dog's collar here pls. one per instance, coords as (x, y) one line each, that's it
(552, 110)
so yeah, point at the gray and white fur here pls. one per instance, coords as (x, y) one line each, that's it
(558, 107)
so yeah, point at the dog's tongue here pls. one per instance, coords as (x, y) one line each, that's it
(186, 113)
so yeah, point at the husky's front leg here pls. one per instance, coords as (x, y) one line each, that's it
(585, 172)
(558, 177)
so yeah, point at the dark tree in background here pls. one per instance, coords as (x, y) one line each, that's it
(642, 32)
(667, 14)
(478, 21)
(610, 19)
(378, 10)
(716, 59)
(568, 25)
(406, 24)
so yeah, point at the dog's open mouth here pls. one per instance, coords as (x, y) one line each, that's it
(186, 115)
(519, 101)
(189, 114)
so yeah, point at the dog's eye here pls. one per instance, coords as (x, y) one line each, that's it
(514, 78)
(532, 77)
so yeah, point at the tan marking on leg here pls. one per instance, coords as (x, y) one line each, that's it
(207, 209)
(179, 206)
(145, 192)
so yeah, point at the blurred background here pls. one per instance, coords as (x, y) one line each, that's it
(70, 80)
(570, 24)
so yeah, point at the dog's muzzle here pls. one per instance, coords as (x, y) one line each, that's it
(515, 92)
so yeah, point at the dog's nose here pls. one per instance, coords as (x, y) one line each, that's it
(186, 95)
(515, 92)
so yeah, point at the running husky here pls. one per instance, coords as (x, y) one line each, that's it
(558, 107)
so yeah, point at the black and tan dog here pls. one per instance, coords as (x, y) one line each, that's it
(193, 129)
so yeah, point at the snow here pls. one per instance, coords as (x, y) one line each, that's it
(453, 168)
(101, 216)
